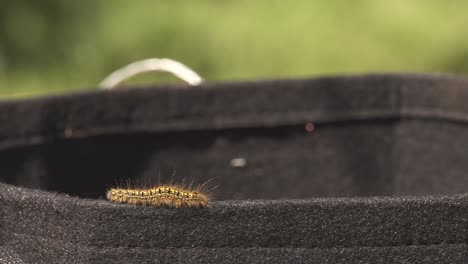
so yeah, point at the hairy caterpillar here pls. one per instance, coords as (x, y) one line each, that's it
(164, 195)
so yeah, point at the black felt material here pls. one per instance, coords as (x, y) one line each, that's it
(381, 179)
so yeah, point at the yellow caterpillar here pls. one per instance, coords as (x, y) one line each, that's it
(165, 195)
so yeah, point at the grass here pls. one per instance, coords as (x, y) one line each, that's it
(232, 40)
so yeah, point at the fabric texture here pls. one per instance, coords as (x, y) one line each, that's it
(348, 169)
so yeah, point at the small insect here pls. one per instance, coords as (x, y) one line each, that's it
(163, 195)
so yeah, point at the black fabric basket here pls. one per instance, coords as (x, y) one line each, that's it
(349, 169)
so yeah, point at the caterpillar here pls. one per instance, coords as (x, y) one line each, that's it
(164, 195)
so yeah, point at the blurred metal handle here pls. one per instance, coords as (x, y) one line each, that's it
(151, 65)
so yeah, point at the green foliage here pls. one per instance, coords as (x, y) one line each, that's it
(51, 46)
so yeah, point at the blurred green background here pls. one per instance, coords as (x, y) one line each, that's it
(53, 46)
